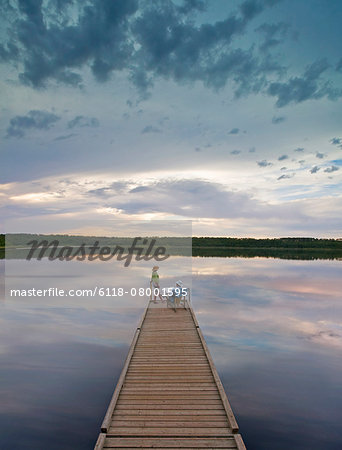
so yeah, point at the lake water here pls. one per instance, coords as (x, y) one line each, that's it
(274, 328)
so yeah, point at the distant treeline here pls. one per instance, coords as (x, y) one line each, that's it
(284, 248)
(197, 242)
(284, 243)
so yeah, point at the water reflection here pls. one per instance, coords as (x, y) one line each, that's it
(274, 328)
(275, 331)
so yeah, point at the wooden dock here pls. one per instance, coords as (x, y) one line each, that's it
(169, 394)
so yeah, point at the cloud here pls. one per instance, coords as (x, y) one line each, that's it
(282, 157)
(285, 176)
(264, 163)
(309, 86)
(299, 149)
(173, 48)
(147, 40)
(140, 189)
(235, 152)
(167, 197)
(234, 131)
(190, 5)
(55, 41)
(53, 48)
(336, 141)
(150, 129)
(320, 155)
(34, 119)
(187, 198)
(8, 52)
(117, 187)
(83, 121)
(181, 197)
(314, 169)
(274, 34)
(251, 150)
(278, 119)
(64, 137)
(250, 8)
(331, 169)
(339, 66)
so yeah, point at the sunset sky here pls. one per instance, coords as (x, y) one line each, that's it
(226, 113)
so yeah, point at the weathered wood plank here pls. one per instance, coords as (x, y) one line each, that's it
(239, 442)
(189, 443)
(168, 431)
(189, 417)
(168, 395)
(100, 441)
(170, 408)
(153, 423)
(169, 401)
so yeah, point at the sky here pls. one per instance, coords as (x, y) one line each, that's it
(224, 113)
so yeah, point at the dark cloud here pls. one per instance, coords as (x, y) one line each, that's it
(278, 119)
(8, 52)
(285, 176)
(274, 34)
(235, 152)
(55, 40)
(234, 131)
(53, 46)
(331, 169)
(314, 169)
(83, 121)
(150, 129)
(140, 189)
(34, 119)
(252, 150)
(282, 157)
(64, 137)
(174, 48)
(264, 163)
(299, 149)
(117, 187)
(307, 87)
(339, 65)
(336, 141)
(161, 41)
(191, 5)
(250, 8)
(320, 155)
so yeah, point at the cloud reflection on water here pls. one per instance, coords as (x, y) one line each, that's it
(274, 328)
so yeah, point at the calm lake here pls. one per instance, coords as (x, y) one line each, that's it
(274, 328)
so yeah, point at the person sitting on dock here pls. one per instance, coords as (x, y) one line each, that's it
(178, 292)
